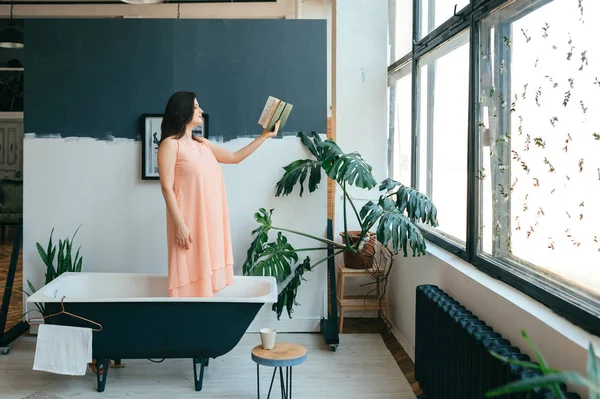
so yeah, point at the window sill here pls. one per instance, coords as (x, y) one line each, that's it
(517, 298)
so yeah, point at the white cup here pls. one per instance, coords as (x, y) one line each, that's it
(267, 338)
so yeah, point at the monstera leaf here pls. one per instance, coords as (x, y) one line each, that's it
(298, 171)
(254, 252)
(389, 185)
(416, 204)
(345, 168)
(287, 297)
(393, 225)
(311, 143)
(274, 259)
(263, 217)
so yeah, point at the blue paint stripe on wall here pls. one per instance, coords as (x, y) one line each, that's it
(96, 77)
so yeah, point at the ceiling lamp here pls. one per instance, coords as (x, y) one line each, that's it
(11, 36)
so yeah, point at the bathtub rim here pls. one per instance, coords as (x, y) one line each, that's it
(40, 295)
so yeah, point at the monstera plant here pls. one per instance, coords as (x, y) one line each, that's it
(394, 218)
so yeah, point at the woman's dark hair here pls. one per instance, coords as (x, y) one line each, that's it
(178, 113)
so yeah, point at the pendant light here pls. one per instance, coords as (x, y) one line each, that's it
(11, 36)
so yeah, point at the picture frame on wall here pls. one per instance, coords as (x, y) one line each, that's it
(150, 126)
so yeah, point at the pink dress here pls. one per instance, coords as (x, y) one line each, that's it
(207, 266)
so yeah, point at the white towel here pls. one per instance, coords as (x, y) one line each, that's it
(63, 349)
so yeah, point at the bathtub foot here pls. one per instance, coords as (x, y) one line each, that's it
(199, 361)
(103, 366)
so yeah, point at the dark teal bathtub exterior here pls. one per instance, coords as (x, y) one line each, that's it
(159, 330)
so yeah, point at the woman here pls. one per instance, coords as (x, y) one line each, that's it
(200, 256)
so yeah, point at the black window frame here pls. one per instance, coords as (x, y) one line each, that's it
(546, 288)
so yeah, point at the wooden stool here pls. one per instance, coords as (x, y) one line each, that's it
(358, 302)
(283, 354)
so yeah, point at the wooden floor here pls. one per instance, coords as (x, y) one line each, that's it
(15, 310)
(362, 367)
(373, 326)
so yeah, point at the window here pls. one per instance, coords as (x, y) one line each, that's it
(435, 12)
(505, 140)
(443, 133)
(400, 13)
(400, 90)
(402, 117)
(539, 167)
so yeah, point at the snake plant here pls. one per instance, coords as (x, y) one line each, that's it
(65, 262)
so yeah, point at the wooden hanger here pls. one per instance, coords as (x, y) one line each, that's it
(67, 313)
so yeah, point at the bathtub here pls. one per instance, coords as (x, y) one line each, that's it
(140, 321)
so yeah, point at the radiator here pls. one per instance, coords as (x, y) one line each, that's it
(452, 359)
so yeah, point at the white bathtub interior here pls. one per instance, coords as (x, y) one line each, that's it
(136, 287)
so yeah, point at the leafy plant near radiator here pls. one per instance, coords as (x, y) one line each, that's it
(393, 216)
(551, 378)
(65, 262)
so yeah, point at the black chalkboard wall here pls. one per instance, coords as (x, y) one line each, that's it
(95, 77)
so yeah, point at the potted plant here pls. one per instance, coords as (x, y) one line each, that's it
(362, 259)
(388, 224)
(65, 262)
(550, 378)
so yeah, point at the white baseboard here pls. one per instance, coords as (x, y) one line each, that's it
(34, 327)
(410, 351)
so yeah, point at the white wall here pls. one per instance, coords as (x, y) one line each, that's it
(360, 112)
(68, 182)
(504, 308)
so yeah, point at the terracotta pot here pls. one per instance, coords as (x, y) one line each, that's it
(362, 259)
